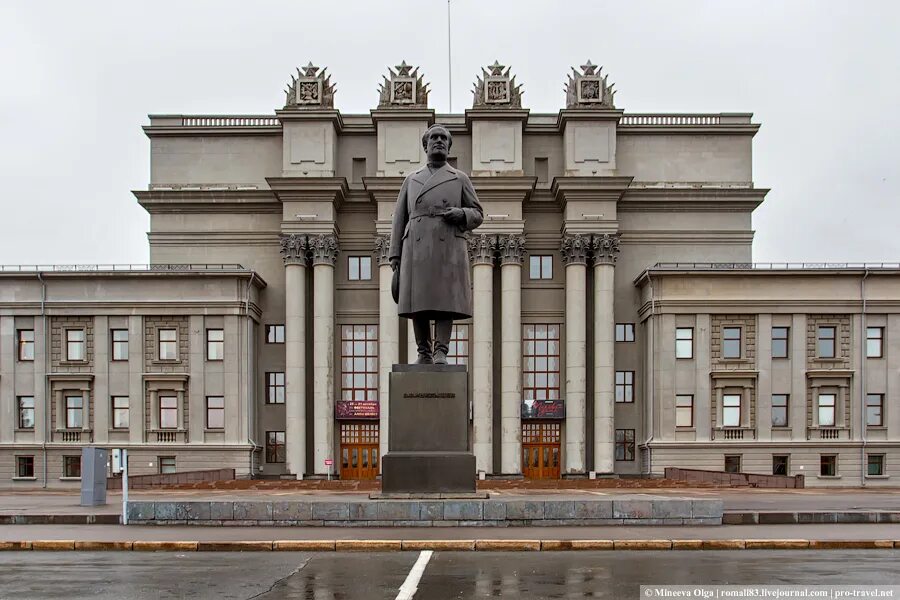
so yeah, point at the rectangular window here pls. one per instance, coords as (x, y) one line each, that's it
(274, 334)
(359, 268)
(215, 412)
(826, 410)
(274, 446)
(359, 362)
(684, 411)
(732, 463)
(119, 344)
(825, 342)
(624, 444)
(25, 466)
(875, 410)
(540, 266)
(166, 464)
(876, 464)
(275, 388)
(624, 386)
(215, 344)
(624, 332)
(168, 344)
(541, 362)
(541, 169)
(684, 342)
(71, 466)
(828, 465)
(359, 170)
(120, 412)
(458, 353)
(780, 464)
(168, 412)
(731, 410)
(74, 344)
(874, 342)
(780, 410)
(731, 342)
(25, 408)
(780, 336)
(74, 412)
(25, 339)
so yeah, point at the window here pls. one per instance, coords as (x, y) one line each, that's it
(74, 344)
(274, 446)
(25, 408)
(166, 464)
(876, 464)
(168, 344)
(274, 388)
(731, 342)
(215, 412)
(826, 410)
(120, 412)
(360, 268)
(458, 353)
(624, 444)
(624, 386)
(540, 266)
(780, 337)
(684, 342)
(359, 362)
(25, 339)
(624, 332)
(731, 410)
(874, 410)
(828, 465)
(825, 342)
(74, 412)
(25, 466)
(215, 344)
(359, 170)
(541, 169)
(779, 410)
(120, 344)
(684, 411)
(71, 466)
(732, 463)
(541, 364)
(168, 412)
(874, 342)
(274, 334)
(780, 464)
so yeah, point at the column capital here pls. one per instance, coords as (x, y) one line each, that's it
(512, 249)
(382, 249)
(606, 248)
(482, 249)
(294, 247)
(324, 249)
(575, 249)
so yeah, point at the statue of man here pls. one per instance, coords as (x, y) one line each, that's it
(437, 205)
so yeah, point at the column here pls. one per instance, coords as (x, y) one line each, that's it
(512, 250)
(388, 338)
(606, 250)
(481, 252)
(574, 253)
(324, 250)
(293, 251)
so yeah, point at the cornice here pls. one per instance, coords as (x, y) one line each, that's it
(383, 189)
(148, 274)
(729, 129)
(154, 131)
(581, 114)
(496, 114)
(402, 114)
(569, 188)
(716, 199)
(318, 115)
(310, 189)
(204, 201)
(513, 189)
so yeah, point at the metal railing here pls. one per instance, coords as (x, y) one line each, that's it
(119, 267)
(229, 121)
(665, 120)
(728, 266)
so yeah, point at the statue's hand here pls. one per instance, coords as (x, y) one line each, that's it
(395, 264)
(455, 216)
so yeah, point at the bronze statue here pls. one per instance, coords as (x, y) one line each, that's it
(437, 205)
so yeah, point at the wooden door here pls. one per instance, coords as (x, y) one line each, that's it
(540, 450)
(359, 450)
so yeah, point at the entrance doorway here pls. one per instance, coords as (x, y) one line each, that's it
(540, 450)
(359, 450)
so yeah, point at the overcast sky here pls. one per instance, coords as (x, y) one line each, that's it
(77, 80)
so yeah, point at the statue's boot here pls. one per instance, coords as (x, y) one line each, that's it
(422, 331)
(442, 329)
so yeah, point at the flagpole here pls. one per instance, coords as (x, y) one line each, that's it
(449, 62)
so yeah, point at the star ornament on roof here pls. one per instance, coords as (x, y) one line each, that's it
(403, 69)
(309, 70)
(496, 69)
(589, 68)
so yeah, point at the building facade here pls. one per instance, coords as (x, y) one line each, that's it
(619, 324)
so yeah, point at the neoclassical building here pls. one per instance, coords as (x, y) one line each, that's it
(619, 324)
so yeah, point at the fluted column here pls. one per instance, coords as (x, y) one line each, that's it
(574, 252)
(481, 252)
(605, 251)
(512, 251)
(324, 250)
(293, 251)
(388, 337)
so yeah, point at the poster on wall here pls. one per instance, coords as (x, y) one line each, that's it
(356, 409)
(544, 409)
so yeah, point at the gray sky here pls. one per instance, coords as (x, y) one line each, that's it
(79, 78)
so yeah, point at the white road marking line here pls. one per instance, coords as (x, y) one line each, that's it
(409, 587)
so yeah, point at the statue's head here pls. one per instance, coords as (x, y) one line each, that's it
(437, 142)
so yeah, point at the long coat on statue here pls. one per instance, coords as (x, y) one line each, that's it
(434, 256)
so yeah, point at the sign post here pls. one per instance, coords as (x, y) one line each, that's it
(328, 463)
(124, 460)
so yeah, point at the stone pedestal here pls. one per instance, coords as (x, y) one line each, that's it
(428, 434)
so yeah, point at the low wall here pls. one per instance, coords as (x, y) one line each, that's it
(736, 479)
(145, 482)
